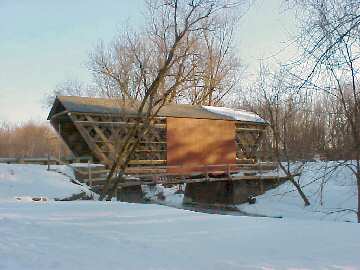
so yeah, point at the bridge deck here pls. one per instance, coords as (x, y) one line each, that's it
(176, 181)
(207, 173)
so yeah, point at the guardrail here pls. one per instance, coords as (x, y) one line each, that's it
(161, 174)
(155, 174)
(44, 160)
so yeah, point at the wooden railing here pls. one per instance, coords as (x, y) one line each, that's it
(43, 160)
(161, 174)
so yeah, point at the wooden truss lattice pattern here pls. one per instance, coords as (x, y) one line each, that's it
(247, 139)
(104, 134)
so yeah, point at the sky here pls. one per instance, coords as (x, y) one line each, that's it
(43, 43)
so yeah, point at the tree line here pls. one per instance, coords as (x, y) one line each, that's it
(30, 139)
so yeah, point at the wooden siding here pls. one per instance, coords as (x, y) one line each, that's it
(197, 142)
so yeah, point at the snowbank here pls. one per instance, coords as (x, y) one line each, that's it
(338, 201)
(112, 235)
(93, 235)
(19, 180)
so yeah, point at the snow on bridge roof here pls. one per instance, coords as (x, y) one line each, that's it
(238, 115)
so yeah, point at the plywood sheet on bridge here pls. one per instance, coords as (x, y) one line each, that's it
(192, 143)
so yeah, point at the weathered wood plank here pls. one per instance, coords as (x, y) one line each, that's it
(249, 129)
(147, 162)
(56, 115)
(92, 145)
(101, 134)
(101, 123)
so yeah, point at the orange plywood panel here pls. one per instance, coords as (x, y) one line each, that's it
(194, 142)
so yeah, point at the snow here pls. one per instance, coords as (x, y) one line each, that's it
(86, 165)
(238, 115)
(170, 195)
(99, 235)
(27, 181)
(338, 202)
(113, 235)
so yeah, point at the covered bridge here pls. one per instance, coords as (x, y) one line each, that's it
(202, 146)
(185, 136)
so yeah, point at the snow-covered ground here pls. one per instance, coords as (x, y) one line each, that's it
(99, 235)
(113, 235)
(25, 181)
(336, 201)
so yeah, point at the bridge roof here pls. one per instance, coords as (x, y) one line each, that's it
(116, 106)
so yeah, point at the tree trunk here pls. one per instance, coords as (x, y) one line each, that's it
(292, 180)
(358, 194)
(299, 190)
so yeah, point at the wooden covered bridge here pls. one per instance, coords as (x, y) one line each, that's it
(186, 144)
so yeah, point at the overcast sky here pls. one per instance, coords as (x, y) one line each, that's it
(43, 43)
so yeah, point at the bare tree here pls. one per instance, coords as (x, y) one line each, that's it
(70, 88)
(331, 45)
(272, 100)
(218, 71)
(156, 66)
(29, 139)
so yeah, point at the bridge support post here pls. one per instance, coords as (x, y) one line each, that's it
(132, 194)
(221, 192)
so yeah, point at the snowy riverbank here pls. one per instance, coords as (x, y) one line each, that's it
(113, 235)
(96, 235)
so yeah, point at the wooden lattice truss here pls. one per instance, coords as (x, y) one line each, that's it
(100, 135)
(104, 134)
(247, 139)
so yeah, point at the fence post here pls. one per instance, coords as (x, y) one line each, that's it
(260, 167)
(48, 162)
(262, 189)
(228, 171)
(89, 171)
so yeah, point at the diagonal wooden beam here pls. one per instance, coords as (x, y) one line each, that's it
(255, 146)
(101, 135)
(90, 142)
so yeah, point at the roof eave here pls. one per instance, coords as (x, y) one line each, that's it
(53, 108)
